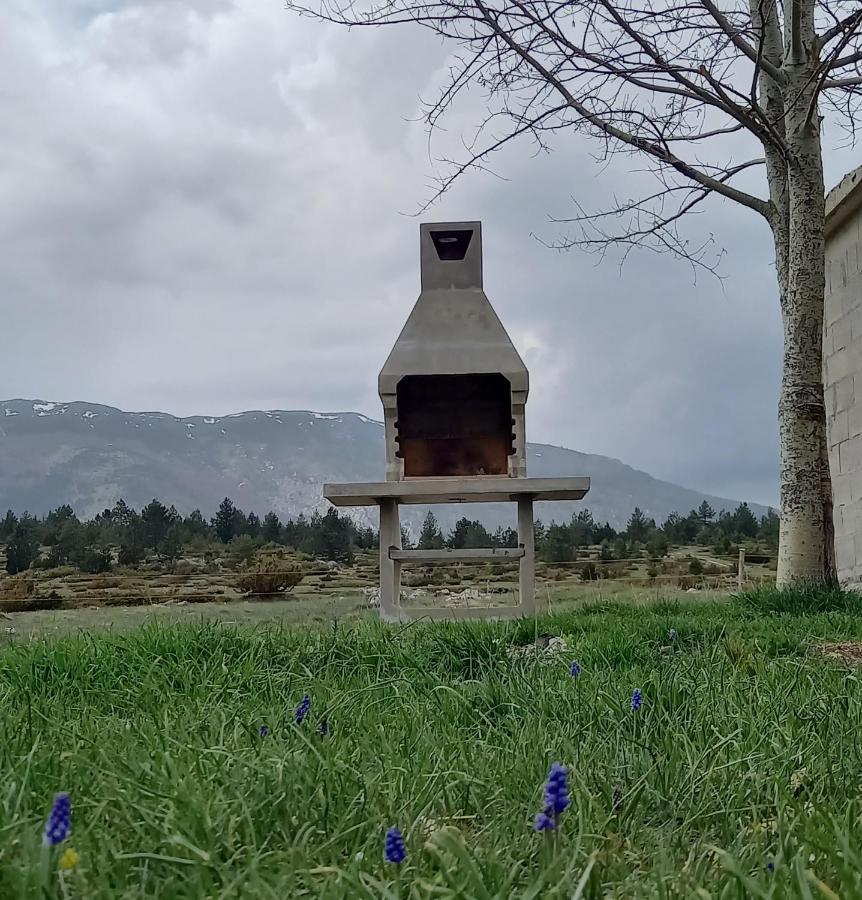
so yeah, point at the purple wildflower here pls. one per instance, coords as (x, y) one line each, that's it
(544, 822)
(323, 728)
(394, 850)
(770, 867)
(263, 731)
(557, 790)
(575, 669)
(302, 709)
(59, 824)
(637, 700)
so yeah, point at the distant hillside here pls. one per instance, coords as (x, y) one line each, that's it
(89, 456)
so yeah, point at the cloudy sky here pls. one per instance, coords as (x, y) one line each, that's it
(208, 206)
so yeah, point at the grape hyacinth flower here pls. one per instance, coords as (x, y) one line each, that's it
(770, 867)
(671, 635)
(556, 798)
(59, 824)
(394, 850)
(302, 709)
(575, 669)
(263, 731)
(557, 790)
(544, 822)
(637, 700)
(323, 728)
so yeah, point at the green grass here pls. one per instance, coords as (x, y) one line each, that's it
(436, 729)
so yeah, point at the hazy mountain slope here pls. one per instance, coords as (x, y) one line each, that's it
(90, 455)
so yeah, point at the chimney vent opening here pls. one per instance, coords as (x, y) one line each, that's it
(451, 245)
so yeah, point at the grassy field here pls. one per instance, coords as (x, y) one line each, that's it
(739, 776)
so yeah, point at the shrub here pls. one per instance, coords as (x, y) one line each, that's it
(18, 587)
(95, 561)
(241, 552)
(589, 572)
(270, 575)
(131, 553)
(695, 567)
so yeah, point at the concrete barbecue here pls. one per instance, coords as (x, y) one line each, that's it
(454, 391)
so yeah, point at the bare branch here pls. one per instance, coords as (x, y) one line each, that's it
(849, 23)
(654, 150)
(740, 43)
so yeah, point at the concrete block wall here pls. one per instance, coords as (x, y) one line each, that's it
(842, 369)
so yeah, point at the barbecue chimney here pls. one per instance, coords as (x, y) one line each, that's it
(454, 387)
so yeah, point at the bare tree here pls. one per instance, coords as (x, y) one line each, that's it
(708, 94)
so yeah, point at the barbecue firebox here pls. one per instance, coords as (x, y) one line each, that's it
(453, 391)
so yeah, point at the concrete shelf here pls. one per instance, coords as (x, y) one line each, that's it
(475, 489)
(477, 554)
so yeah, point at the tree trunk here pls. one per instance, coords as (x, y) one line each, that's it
(806, 540)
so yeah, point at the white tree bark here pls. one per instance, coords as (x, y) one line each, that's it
(806, 539)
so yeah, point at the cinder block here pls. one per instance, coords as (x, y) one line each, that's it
(851, 519)
(838, 366)
(838, 426)
(854, 421)
(850, 456)
(845, 551)
(841, 332)
(844, 394)
(842, 486)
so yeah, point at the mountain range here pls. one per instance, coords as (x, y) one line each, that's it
(89, 455)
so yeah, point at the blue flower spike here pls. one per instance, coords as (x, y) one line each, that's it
(544, 822)
(575, 670)
(302, 709)
(556, 798)
(672, 635)
(637, 700)
(59, 824)
(323, 728)
(394, 850)
(263, 731)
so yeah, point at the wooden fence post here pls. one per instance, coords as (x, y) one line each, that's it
(740, 575)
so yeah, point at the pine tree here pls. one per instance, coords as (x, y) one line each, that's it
(225, 521)
(21, 550)
(557, 546)
(157, 521)
(430, 538)
(253, 525)
(335, 537)
(638, 525)
(7, 526)
(705, 513)
(271, 529)
(744, 521)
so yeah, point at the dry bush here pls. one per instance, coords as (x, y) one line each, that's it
(269, 575)
(18, 587)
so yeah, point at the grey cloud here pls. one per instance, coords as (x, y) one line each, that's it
(205, 211)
